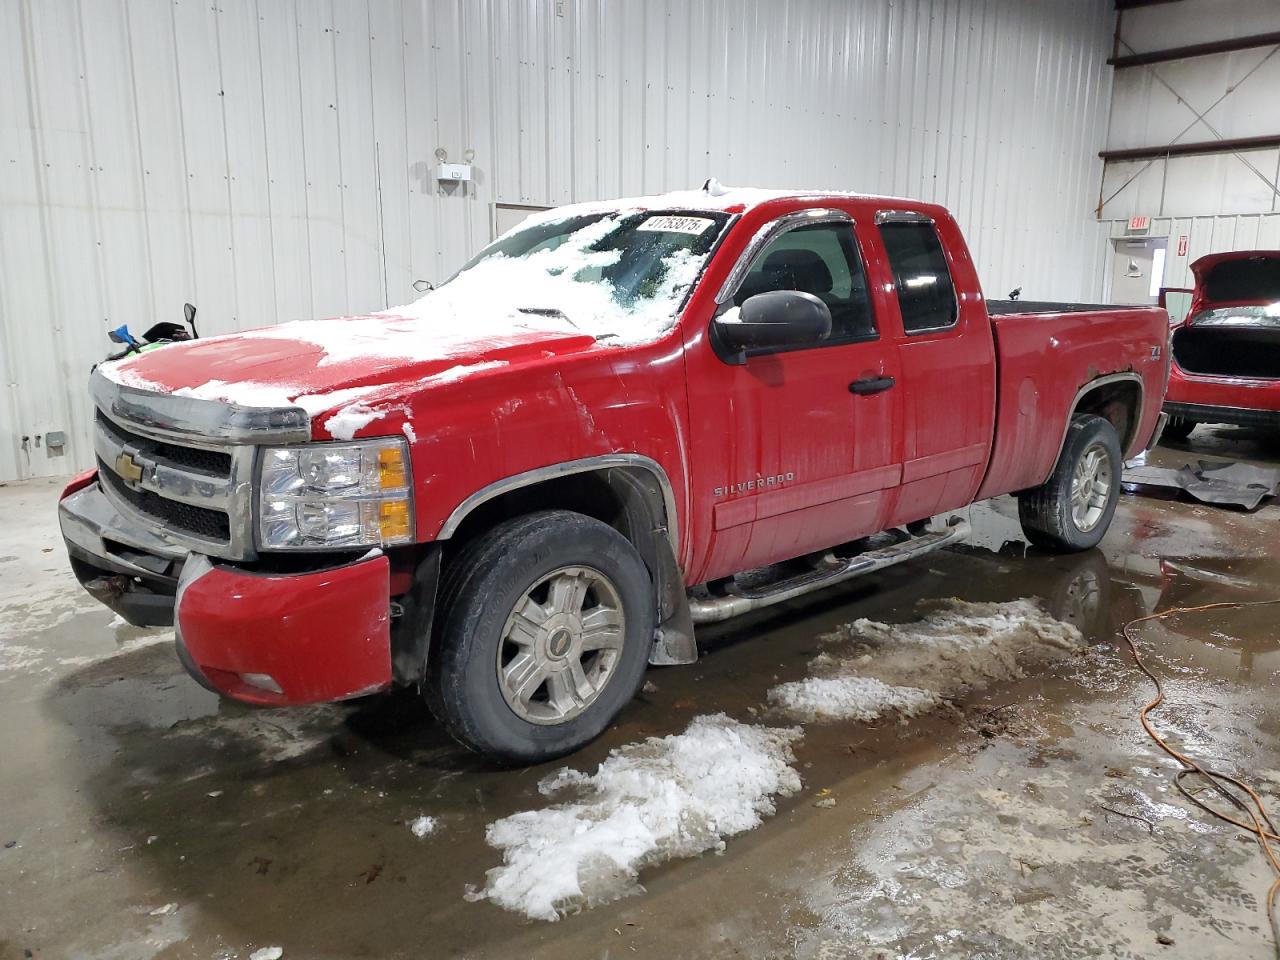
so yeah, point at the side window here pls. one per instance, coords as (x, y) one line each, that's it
(821, 259)
(925, 293)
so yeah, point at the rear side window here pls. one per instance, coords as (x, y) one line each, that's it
(925, 293)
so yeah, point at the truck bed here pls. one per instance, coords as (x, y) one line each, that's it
(1044, 358)
(1004, 308)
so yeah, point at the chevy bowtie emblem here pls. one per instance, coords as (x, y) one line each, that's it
(128, 468)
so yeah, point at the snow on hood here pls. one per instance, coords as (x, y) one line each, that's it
(357, 369)
(500, 308)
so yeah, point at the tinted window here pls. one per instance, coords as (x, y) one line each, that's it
(925, 293)
(823, 260)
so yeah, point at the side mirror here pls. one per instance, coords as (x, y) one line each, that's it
(422, 286)
(779, 318)
(189, 311)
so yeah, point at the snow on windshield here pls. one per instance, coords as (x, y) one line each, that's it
(619, 277)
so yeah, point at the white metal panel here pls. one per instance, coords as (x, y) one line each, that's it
(272, 160)
(1203, 98)
(1161, 27)
(1195, 99)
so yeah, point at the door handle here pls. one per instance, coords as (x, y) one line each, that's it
(870, 385)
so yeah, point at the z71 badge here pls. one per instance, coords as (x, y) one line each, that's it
(759, 483)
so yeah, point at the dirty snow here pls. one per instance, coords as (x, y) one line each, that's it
(908, 668)
(267, 953)
(851, 698)
(648, 802)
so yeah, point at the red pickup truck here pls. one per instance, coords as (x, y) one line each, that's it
(1226, 351)
(521, 489)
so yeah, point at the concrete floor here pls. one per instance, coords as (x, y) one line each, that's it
(140, 817)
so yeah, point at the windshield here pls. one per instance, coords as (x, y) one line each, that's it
(618, 275)
(1244, 316)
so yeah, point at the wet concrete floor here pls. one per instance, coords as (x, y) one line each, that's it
(140, 817)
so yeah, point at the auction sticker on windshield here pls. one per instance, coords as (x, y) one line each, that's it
(690, 225)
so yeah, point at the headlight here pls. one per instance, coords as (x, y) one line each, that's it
(324, 495)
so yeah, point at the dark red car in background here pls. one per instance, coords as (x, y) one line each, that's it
(1226, 351)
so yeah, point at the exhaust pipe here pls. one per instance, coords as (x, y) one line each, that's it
(833, 571)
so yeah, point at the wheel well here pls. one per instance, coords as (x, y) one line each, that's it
(1117, 401)
(629, 499)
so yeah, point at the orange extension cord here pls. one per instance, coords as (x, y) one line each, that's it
(1254, 807)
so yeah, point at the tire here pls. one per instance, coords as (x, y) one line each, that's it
(513, 606)
(1178, 429)
(1050, 518)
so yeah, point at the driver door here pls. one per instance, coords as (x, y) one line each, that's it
(798, 446)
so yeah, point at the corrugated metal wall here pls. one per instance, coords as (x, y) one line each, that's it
(1218, 201)
(270, 160)
(1197, 99)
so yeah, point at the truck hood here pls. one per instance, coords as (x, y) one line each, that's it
(324, 365)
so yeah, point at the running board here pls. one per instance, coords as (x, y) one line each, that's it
(832, 571)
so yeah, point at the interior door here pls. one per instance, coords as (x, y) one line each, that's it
(1137, 269)
(800, 446)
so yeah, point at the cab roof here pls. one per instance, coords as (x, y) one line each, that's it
(712, 197)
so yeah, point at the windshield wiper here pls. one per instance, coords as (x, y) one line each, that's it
(549, 312)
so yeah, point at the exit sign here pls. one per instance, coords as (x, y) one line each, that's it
(1139, 224)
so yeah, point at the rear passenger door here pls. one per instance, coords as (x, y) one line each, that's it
(948, 364)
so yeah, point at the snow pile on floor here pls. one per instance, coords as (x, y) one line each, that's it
(648, 802)
(909, 668)
(850, 698)
(423, 826)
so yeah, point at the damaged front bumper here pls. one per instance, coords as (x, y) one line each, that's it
(130, 568)
(278, 639)
(282, 639)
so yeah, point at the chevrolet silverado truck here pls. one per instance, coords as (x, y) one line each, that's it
(1226, 351)
(517, 492)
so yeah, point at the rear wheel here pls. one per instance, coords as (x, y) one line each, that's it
(1177, 429)
(548, 622)
(1074, 507)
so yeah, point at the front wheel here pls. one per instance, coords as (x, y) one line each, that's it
(548, 620)
(1074, 507)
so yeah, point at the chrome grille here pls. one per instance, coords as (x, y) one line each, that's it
(201, 521)
(193, 494)
(215, 462)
